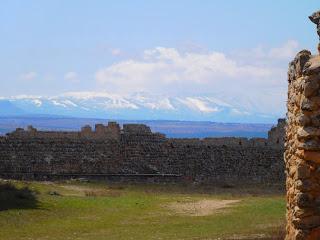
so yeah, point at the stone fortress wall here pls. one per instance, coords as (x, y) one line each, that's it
(135, 152)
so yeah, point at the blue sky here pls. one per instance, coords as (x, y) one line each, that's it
(173, 47)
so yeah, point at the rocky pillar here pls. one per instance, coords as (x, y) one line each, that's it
(302, 154)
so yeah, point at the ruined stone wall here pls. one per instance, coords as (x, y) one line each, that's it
(136, 150)
(101, 132)
(277, 134)
(41, 155)
(302, 154)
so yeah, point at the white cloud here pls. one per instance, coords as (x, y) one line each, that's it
(288, 50)
(28, 76)
(71, 76)
(116, 51)
(238, 112)
(258, 74)
(90, 95)
(161, 69)
(262, 53)
(24, 96)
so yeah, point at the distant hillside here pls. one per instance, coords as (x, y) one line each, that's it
(178, 129)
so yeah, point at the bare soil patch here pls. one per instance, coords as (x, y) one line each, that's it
(202, 207)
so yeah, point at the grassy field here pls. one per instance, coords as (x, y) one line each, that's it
(85, 211)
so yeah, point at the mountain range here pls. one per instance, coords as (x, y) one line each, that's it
(139, 106)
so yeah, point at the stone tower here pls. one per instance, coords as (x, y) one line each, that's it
(302, 153)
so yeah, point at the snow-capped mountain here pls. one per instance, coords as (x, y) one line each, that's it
(139, 106)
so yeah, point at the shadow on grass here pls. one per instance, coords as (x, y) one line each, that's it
(16, 198)
(217, 189)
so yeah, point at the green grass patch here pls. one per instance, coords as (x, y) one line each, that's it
(99, 211)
